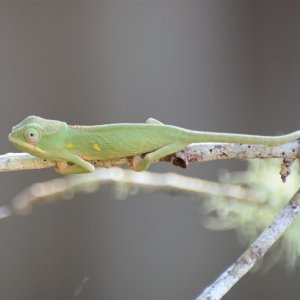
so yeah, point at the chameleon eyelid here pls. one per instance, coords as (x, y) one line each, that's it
(32, 134)
(34, 126)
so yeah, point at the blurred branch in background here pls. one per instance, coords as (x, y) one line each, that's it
(126, 182)
(249, 218)
(255, 252)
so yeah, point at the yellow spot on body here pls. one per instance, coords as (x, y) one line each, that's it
(97, 147)
(69, 145)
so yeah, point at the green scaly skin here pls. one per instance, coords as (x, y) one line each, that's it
(63, 143)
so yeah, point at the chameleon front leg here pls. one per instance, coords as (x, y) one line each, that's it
(79, 166)
(141, 164)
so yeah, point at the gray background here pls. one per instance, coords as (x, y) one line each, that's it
(208, 65)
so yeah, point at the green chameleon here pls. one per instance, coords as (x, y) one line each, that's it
(146, 142)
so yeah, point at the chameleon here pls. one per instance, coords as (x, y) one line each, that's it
(72, 146)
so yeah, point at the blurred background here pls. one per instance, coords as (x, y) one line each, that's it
(228, 66)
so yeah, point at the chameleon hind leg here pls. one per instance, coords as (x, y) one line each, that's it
(141, 164)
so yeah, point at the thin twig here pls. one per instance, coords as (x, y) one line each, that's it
(255, 252)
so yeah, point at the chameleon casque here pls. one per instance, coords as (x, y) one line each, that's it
(64, 144)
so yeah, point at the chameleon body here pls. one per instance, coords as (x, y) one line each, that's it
(64, 144)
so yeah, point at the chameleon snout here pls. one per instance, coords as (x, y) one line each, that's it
(10, 138)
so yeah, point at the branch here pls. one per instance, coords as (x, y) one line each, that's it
(214, 151)
(126, 181)
(25, 161)
(255, 252)
(191, 154)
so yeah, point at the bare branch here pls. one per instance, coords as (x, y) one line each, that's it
(212, 151)
(255, 252)
(25, 161)
(192, 153)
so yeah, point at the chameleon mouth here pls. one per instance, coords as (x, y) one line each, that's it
(13, 140)
(32, 149)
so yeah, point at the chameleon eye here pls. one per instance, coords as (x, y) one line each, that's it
(31, 135)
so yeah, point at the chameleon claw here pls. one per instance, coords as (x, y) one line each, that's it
(139, 164)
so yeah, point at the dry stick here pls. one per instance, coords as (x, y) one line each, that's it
(192, 153)
(69, 185)
(256, 251)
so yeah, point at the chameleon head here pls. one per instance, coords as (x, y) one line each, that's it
(28, 136)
